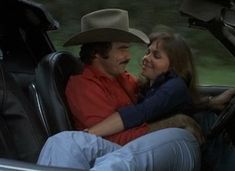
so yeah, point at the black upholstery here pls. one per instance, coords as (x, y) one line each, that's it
(21, 132)
(52, 75)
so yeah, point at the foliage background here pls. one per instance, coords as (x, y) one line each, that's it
(215, 65)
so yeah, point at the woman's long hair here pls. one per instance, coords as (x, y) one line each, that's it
(180, 57)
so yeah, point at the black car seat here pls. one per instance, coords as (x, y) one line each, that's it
(51, 78)
(21, 132)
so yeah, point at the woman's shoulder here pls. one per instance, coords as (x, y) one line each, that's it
(176, 82)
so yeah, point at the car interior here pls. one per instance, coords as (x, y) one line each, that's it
(33, 76)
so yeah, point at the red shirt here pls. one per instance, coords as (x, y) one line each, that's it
(93, 96)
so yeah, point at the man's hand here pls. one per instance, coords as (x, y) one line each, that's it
(220, 101)
(179, 121)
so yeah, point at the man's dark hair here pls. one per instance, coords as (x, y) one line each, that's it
(88, 51)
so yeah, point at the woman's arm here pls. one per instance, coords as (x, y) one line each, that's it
(111, 125)
(165, 99)
(114, 124)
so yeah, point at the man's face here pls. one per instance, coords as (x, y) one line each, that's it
(118, 58)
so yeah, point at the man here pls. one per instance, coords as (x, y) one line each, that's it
(104, 86)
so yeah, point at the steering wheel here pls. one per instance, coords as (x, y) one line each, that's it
(225, 121)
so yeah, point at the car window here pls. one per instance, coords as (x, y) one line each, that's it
(214, 63)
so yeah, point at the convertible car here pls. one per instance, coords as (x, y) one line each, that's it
(33, 76)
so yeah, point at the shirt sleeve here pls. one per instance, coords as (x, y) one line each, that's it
(168, 98)
(88, 102)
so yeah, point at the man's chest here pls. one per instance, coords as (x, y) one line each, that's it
(120, 95)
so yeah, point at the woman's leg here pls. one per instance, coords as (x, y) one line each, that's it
(74, 149)
(171, 149)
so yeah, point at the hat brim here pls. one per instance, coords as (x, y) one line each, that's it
(108, 35)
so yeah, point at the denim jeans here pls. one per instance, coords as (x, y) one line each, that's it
(171, 149)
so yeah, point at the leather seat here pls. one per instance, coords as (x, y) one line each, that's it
(52, 75)
(21, 132)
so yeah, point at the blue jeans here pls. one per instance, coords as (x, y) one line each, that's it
(168, 149)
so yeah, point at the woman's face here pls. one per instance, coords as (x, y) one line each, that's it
(155, 61)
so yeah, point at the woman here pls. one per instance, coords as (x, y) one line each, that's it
(171, 86)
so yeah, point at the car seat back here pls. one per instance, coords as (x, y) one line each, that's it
(52, 75)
